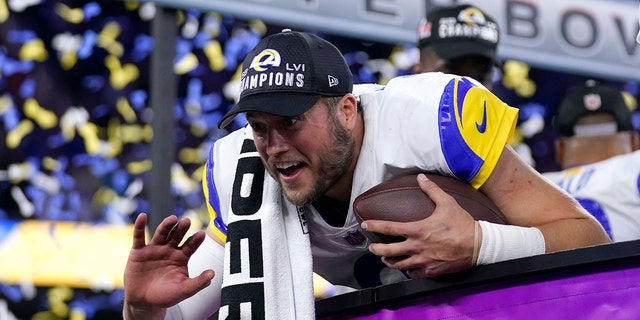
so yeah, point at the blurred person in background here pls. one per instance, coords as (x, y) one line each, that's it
(461, 40)
(597, 149)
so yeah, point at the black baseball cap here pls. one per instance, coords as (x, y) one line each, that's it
(459, 31)
(592, 98)
(286, 74)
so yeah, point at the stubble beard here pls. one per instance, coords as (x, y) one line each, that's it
(335, 159)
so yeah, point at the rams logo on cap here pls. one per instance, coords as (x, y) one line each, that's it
(264, 59)
(472, 16)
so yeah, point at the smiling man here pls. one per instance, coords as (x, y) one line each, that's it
(280, 191)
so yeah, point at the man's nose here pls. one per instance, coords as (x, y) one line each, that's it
(276, 143)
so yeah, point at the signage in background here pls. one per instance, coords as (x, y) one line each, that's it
(586, 37)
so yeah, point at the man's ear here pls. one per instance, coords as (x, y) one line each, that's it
(349, 109)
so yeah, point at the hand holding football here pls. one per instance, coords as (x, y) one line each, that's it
(401, 199)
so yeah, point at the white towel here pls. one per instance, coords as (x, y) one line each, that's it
(268, 270)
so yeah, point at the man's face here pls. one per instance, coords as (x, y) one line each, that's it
(476, 67)
(306, 154)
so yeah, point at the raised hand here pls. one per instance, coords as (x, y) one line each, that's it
(156, 275)
(442, 243)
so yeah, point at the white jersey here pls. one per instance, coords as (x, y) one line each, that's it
(426, 122)
(609, 190)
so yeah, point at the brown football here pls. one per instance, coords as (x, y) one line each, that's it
(401, 199)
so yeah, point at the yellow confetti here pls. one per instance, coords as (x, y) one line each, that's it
(125, 110)
(197, 173)
(89, 132)
(77, 314)
(120, 76)
(68, 60)
(186, 64)
(139, 167)
(110, 32)
(131, 133)
(189, 155)
(180, 17)
(147, 133)
(6, 102)
(526, 88)
(198, 128)
(630, 100)
(57, 297)
(131, 5)
(112, 63)
(115, 48)
(15, 136)
(33, 50)
(114, 146)
(115, 139)
(50, 164)
(180, 181)
(258, 27)
(213, 51)
(4, 11)
(516, 77)
(107, 39)
(71, 15)
(46, 119)
(104, 196)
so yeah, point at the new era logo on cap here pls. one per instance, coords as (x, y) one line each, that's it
(333, 81)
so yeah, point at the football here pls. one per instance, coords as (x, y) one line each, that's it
(401, 199)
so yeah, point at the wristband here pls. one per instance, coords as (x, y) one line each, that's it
(505, 242)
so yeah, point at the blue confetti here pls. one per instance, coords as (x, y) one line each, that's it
(91, 10)
(11, 67)
(56, 141)
(11, 292)
(102, 167)
(88, 42)
(74, 201)
(27, 88)
(201, 39)
(93, 83)
(120, 181)
(143, 45)
(11, 117)
(138, 99)
(210, 101)
(531, 109)
(183, 47)
(37, 197)
(21, 36)
(100, 111)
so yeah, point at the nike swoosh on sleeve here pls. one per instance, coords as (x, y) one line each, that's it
(482, 126)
